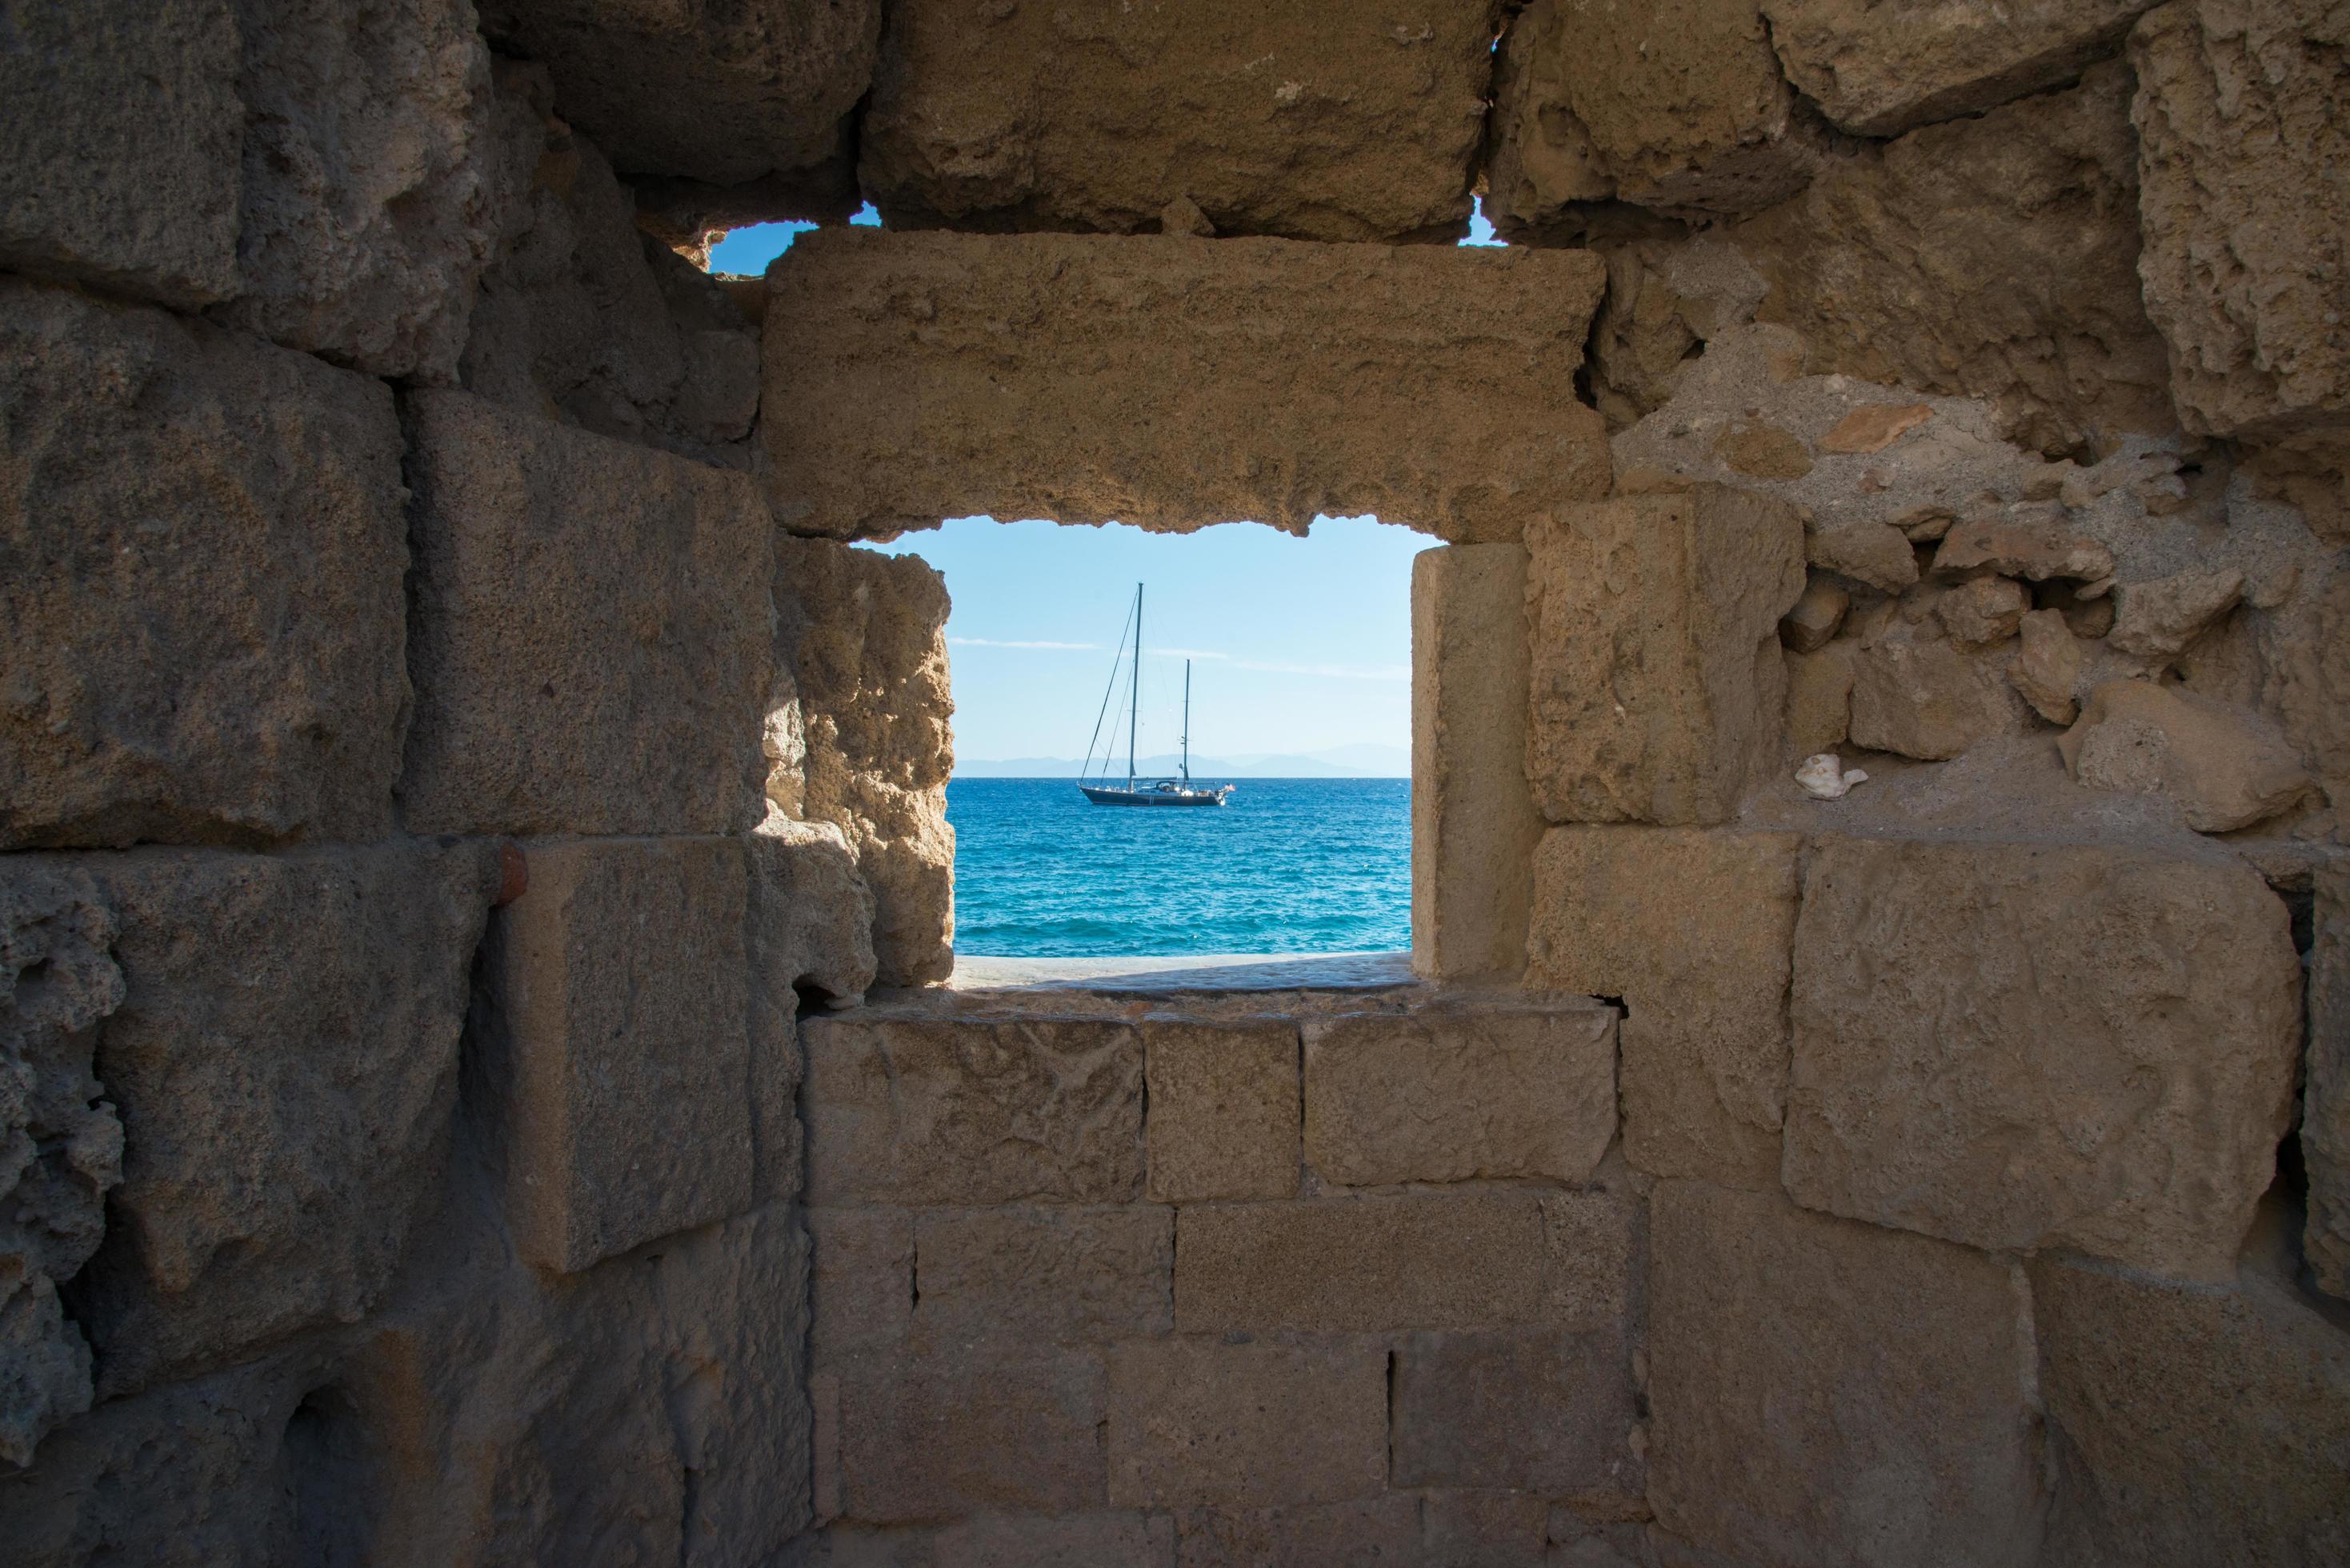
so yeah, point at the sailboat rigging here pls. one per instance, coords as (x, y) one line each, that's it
(1139, 792)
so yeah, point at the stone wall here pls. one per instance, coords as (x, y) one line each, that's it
(460, 784)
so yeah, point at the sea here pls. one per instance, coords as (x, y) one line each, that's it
(1287, 865)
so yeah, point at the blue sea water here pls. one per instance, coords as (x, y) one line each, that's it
(1289, 865)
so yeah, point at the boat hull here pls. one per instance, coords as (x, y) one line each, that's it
(1151, 797)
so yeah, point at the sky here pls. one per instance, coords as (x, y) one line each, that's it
(1297, 646)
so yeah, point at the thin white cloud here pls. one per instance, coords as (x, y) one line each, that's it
(996, 642)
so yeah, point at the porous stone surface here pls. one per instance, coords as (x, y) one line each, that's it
(1043, 1276)
(861, 1289)
(284, 1059)
(1172, 384)
(1474, 825)
(200, 556)
(1375, 1530)
(2222, 764)
(370, 192)
(2047, 1045)
(1657, 681)
(2326, 1104)
(945, 1436)
(1354, 124)
(1224, 1116)
(123, 132)
(2047, 668)
(1200, 1422)
(1880, 70)
(1815, 1384)
(935, 1110)
(811, 913)
(863, 637)
(622, 1071)
(1691, 929)
(1917, 693)
(1549, 1413)
(1470, 1092)
(591, 631)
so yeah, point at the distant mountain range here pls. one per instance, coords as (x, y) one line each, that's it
(1364, 760)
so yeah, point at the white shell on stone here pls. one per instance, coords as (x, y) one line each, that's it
(1823, 778)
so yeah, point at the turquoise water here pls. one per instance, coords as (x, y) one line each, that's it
(1290, 865)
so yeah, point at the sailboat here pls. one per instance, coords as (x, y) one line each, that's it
(1155, 792)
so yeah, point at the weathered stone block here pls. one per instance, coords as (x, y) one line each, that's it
(123, 132)
(1172, 384)
(2224, 766)
(1223, 1119)
(1691, 929)
(2030, 1045)
(1356, 1534)
(591, 631)
(1474, 825)
(1438, 1260)
(1076, 1540)
(946, 1438)
(1546, 1413)
(201, 554)
(1320, 125)
(2201, 1425)
(285, 1062)
(1657, 675)
(1815, 1384)
(1200, 1423)
(2325, 1095)
(921, 1110)
(622, 1088)
(1043, 1276)
(1454, 1092)
(861, 1291)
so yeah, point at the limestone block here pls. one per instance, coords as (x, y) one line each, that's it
(591, 636)
(1692, 931)
(624, 1061)
(123, 132)
(1811, 623)
(203, 550)
(1588, 1241)
(1172, 384)
(60, 1142)
(1917, 694)
(1043, 1276)
(1223, 1116)
(1076, 1540)
(861, 1289)
(718, 94)
(928, 1110)
(1472, 1529)
(1463, 1260)
(1819, 700)
(1871, 552)
(933, 1438)
(2047, 666)
(863, 636)
(2326, 1107)
(1476, 1091)
(1549, 1413)
(1982, 611)
(1474, 825)
(2031, 1045)
(1880, 70)
(1816, 1384)
(1656, 665)
(2201, 1425)
(2156, 619)
(1680, 109)
(1382, 1529)
(2225, 766)
(370, 190)
(2242, 130)
(1992, 257)
(1345, 124)
(286, 1063)
(1202, 1423)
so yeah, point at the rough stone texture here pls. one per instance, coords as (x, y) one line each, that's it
(2222, 763)
(370, 186)
(1223, 1120)
(811, 912)
(1678, 108)
(1357, 123)
(2034, 1045)
(623, 1068)
(2047, 668)
(2198, 1425)
(60, 1142)
(1812, 625)
(934, 1438)
(921, 1110)
(1357, 1533)
(1880, 70)
(200, 553)
(2157, 618)
(123, 129)
(1826, 1392)
(1043, 1276)
(1982, 611)
(1474, 825)
(591, 636)
(286, 1063)
(1475, 1091)
(1993, 257)
(1547, 1413)
(1917, 694)
(1172, 384)
(861, 1289)
(2243, 132)
(2326, 1107)
(1819, 700)
(1656, 666)
(1691, 929)
(1364, 1264)
(1076, 1541)
(1201, 1423)
(864, 638)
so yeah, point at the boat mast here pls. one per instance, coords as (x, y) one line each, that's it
(1134, 702)
(1187, 720)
